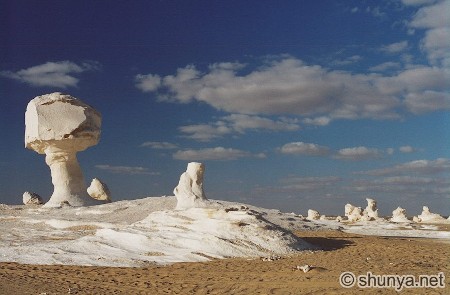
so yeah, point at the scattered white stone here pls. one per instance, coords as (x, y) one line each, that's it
(399, 215)
(305, 268)
(59, 126)
(189, 191)
(271, 258)
(30, 198)
(313, 215)
(99, 190)
(339, 219)
(323, 217)
(428, 217)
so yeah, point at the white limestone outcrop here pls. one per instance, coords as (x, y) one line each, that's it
(30, 198)
(189, 191)
(371, 210)
(99, 190)
(428, 217)
(353, 213)
(59, 126)
(313, 215)
(399, 215)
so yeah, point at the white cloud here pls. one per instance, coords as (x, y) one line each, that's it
(158, 145)
(126, 170)
(395, 47)
(435, 20)
(418, 2)
(390, 151)
(148, 83)
(406, 149)
(302, 148)
(308, 184)
(213, 154)
(385, 66)
(357, 153)
(347, 61)
(318, 121)
(423, 167)
(52, 74)
(434, 16)
(427, 101)
(354, 9)
(236, 123)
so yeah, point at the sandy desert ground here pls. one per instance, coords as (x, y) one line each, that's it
(343, 252)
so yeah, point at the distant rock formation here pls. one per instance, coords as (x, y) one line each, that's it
(59, 126)
(99, 190)
(399, 215)
(353, 213)
(313, 215)
(371, 210)
(428, 217)
(30, 198)
(189, 191)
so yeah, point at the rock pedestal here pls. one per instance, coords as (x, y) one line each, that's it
(189, 191)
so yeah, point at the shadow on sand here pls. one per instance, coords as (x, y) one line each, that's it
(328, 244)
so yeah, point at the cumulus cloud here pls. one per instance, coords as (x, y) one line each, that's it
(427, 101)
(424, 167)
(53, 74)
(302, 148)
(126, 170)
(357, 153)
(395, 47)
(159, 145)
(434, 18)
(213, 154)
(148, 83)
(236, 123)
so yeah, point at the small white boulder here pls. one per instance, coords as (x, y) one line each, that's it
(30, 198)
(313, 215)
(99, 190)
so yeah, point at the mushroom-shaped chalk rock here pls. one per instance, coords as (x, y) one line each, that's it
(189, 191)
(59, 126)
(99, 190)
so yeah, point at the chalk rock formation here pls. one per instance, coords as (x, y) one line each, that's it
(30, 198)
(399, 215)
(371, 209)
(339, 219)
(428, 217)
(353, 213)
(189, 191)
(59, 126)
(313, 215)
(99, 190)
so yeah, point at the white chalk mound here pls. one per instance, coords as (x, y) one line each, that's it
(399, 215)
(371, 210)
(189, 191)
(428, 217)
(313, 215)
(59, 126)
(30, 198)
(99, 190)
(353, 213)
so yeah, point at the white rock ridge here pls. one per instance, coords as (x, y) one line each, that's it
(189, 191)
(59, 126)
(399, 215)
(30, 198)
(99, 190)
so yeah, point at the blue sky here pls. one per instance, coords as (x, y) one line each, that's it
(290, 105)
